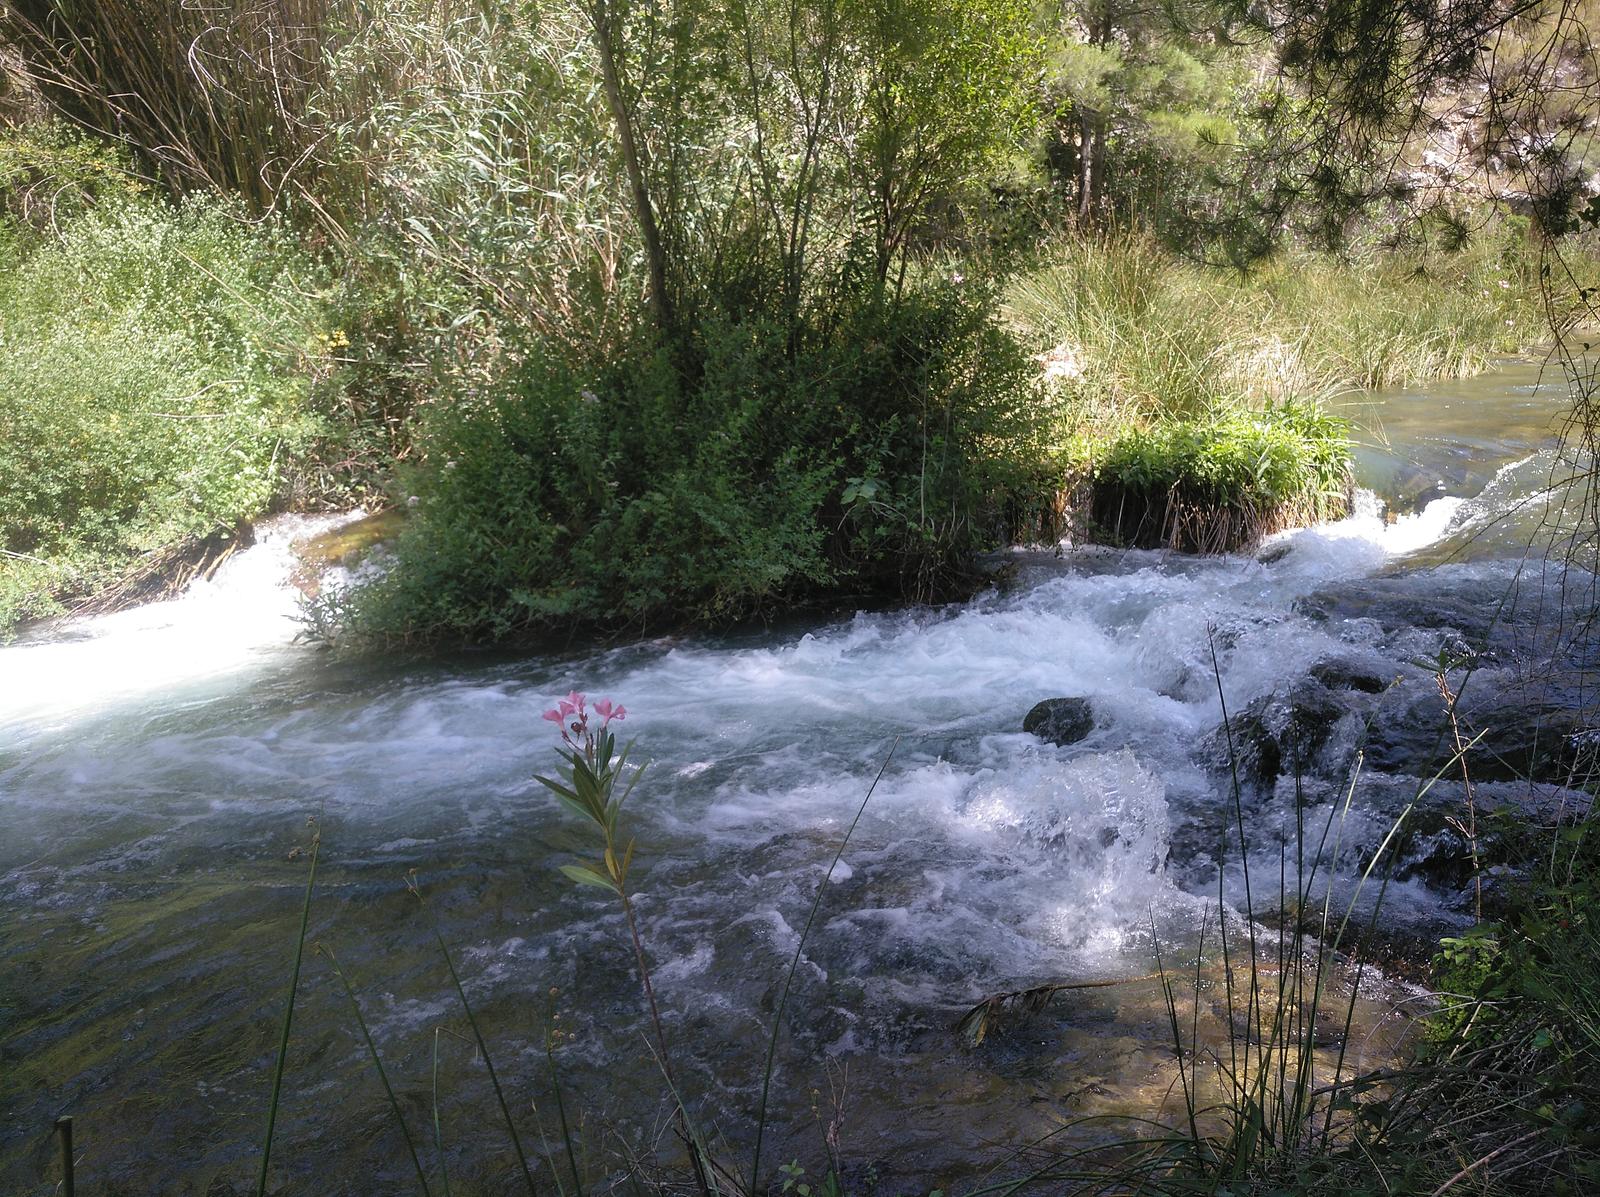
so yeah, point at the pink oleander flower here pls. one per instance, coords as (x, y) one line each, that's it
(571, 714)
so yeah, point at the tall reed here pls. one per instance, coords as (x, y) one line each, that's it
(211, 95)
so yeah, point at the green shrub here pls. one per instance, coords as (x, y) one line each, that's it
(1280, 454)
(50, 174)
(874, 452)
(156, 366)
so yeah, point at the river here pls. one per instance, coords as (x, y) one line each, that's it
(158, 769)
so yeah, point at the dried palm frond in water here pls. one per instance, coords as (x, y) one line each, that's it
(975, 1025)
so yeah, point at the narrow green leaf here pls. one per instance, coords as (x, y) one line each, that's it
(587, 876)
(555, 786)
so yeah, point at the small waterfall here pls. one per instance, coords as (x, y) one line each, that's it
(213, 634)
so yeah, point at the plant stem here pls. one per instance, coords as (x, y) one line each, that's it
(794, 965)
(644, 977)
(693, 1142)
(438, 1132)
(483, 1048)
(1472, 804)
(288, 1018)
(561, 1113)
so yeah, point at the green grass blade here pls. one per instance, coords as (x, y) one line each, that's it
(377, 1063)
(438, 1131)
(561, 1109)
(483, 1048)
(288, 1019)
(794, 965)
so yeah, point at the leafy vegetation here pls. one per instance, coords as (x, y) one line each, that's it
(735, 226)
(691, 311)
(879, 452)
(158, 373)
(1230, 478)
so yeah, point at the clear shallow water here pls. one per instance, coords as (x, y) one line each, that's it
(157, 769)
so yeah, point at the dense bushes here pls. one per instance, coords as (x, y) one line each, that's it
(156, 373)
(873, 450)
(50, 175)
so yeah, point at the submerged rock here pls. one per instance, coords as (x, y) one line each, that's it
(1060, 721)
(1434, 846)
(1518, 737)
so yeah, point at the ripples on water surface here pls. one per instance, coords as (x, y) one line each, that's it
(157, 767)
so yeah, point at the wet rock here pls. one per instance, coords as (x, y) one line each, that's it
(1466, 606)
(1337, 674)
(1523, 738)
(1060, 721)
(1273, 553)
(1280, 734)
(1434, 847)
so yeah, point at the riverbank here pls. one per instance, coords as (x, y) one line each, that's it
(188, 373)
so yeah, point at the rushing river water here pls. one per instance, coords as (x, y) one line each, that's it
(158, 768)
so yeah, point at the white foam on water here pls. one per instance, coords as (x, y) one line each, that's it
(1367, 538)
(983, 851)
(216, 629)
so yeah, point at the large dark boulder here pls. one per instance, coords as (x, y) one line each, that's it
(1060, 721)
(1281, 734)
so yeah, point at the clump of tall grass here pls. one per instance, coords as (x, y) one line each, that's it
(1150, 335)
(1227, 479)
(1191, 401)
(213, 97)
(470, 157)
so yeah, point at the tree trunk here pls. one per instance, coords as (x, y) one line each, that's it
(1097, 167)
(1085, 168)
(644, 210)
(1092, 129)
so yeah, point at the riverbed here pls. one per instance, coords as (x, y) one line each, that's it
(162, 771)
